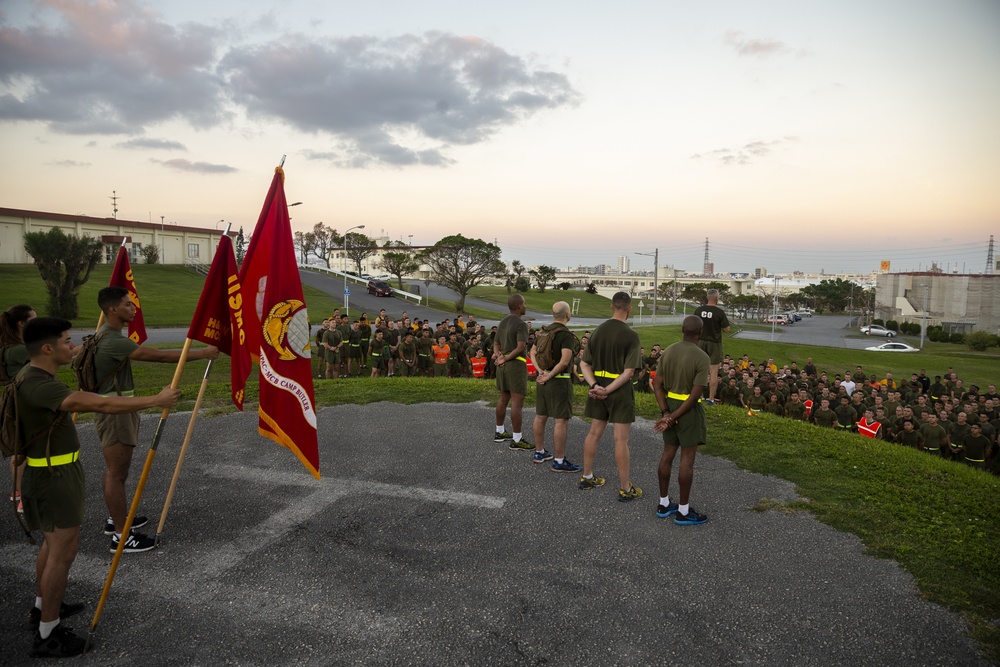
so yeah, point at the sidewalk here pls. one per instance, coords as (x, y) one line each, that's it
(426, 543)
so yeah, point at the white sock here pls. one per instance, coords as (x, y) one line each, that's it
(517, 437)
(590, 476)
(683, 509)
(38, 603)
(559, 461)
(665, 501)
(118, 537)
(500, 428)
(45, 629)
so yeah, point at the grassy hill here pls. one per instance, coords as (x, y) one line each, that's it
(168, 293)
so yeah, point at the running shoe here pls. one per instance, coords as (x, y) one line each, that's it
(62, 643)
(65, 611)
(135, 543)
(565, 466)
(692, 518)
(521, 446)
(502, 437)
(592, 483)
(633, 493)
(542, 456)
(109, 525)
(664, 511)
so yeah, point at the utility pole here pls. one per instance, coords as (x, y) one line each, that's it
(923, 326)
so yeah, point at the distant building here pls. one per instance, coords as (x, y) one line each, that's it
(623, 264)
(760, 272)
(958, 302)
(177, 244)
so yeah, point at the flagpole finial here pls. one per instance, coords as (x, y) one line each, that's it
(282, 163)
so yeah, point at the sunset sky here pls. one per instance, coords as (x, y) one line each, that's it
(794, 135)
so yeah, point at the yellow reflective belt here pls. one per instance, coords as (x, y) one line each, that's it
(679, 397)
(58, 460)
(130, 393)
(561, 375)
(521, 359)
(605, 374)
(974, 460)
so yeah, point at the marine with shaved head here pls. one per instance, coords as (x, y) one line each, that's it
(509, 349)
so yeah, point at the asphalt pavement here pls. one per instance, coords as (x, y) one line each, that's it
(426, 543)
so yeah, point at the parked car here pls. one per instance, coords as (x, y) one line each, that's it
(793, 317)
(384, 276)
(777, 319)
(805, 313)
(877, 330)
(893, 347)
(379, 288)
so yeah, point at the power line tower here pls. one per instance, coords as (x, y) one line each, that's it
(989, 258)
(707, 268)
(114, 203)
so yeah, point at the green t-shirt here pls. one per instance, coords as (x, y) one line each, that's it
(15, 358)
(714, 321)
(934, 436)
(681, 367)
(111, 350)
(333, 338)
(38, 401)
(511, 331)
(613, 347)
(975, 447)
(407, 351)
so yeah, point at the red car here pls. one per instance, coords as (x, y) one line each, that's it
(379, 288)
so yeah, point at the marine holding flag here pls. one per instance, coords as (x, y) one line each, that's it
(277, 328)
(218, 319)
(121, 276)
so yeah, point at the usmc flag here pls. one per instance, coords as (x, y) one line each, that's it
(121, 276)
(277, 328)
(218, 319)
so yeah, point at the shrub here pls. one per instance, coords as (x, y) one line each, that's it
(565, 286)
(878, 321)
(591, 288)
(522, 284)
(957, 338)
(980, 340)
(892, 325)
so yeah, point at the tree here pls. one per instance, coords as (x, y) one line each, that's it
(241, 246)
(150, 253)
(460, 264)
(591, 288)
(359, 248)
(399, 262)
(323, 240)
(698, 292)
(834, 295)
(65, 263)
(544, 275)
(303, 242)
(522, 284)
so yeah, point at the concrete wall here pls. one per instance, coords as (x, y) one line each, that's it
(951, 298)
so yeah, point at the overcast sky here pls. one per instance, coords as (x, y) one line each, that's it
(793, 135)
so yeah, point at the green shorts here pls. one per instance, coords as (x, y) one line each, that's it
(333, 356)
(378, 362)
(424, 362)
(513, 377)
(354, 352)
(554, 398)
(690, 430)
(120, 428)
(713, 350)
(404, 369)
(53, 501)
(440, 370)
(617, 408)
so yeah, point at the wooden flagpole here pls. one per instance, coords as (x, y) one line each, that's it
(184, 446)
(137, 496)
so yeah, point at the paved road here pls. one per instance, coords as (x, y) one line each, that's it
(819, 330)
(427, 544)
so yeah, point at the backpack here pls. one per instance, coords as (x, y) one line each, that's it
(4, 378)
(11, 439)
(544, 340)
(85, 367)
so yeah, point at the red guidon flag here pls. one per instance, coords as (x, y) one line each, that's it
(218, 319)
(277, 328)
(121, 276)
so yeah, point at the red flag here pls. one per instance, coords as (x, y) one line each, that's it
(121, 276)
(277, 328)
(218, 319)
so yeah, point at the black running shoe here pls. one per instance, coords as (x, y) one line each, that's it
(65, 611)
(137, 522)
(135, 543)
(62, 643)
(692, 518)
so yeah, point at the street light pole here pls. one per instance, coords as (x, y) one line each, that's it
(923, 326)
(347, 296)
(656, 277)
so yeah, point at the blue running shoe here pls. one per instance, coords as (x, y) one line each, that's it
(565, 466)
(541, 456)
(665, 511)
(692, 518)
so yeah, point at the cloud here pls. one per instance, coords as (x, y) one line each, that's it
(439, 89)
(745, 154)
(149, 143)
(70, 163)
(108, 68)
(197, 167)
(761, 48)
(113, 68)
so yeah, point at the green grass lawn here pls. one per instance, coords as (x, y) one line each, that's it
(168, 294)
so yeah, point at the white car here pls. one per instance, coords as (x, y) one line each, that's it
(877, 330)
(893, 347)
(777, 319)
